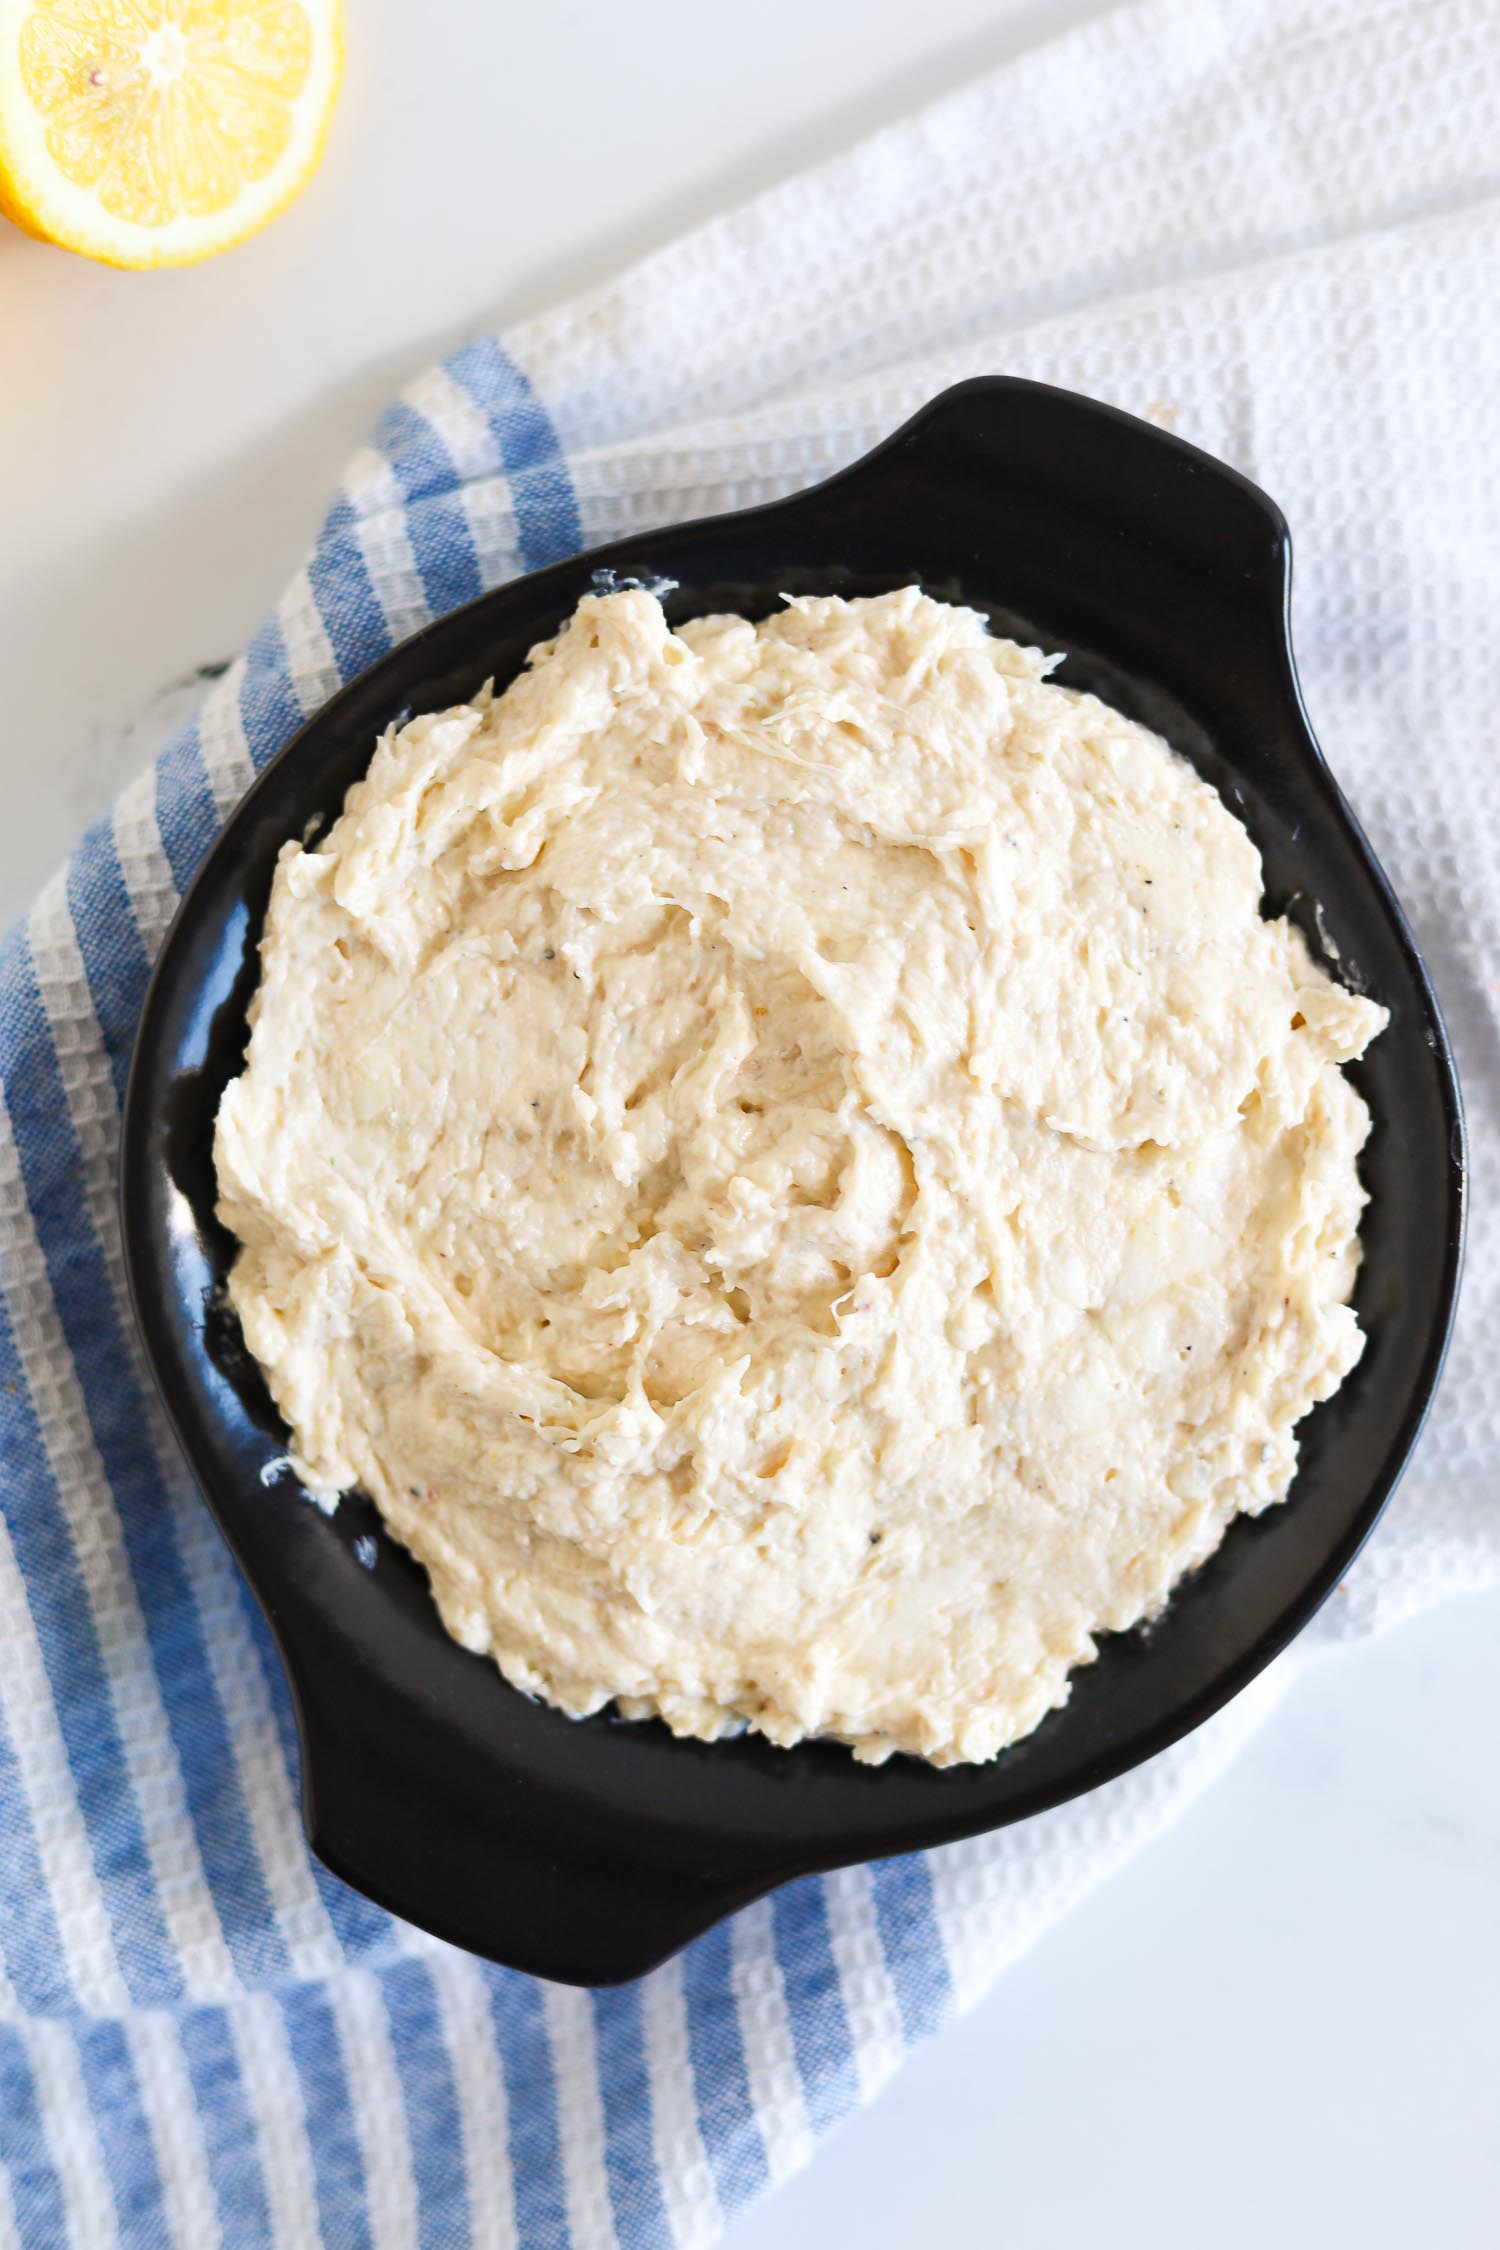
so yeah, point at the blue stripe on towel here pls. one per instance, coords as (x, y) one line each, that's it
(269, 709)
(726, 2112)
(25, 2149)
(915, 1955)
(114, 2097)
(434, 2125)
(346, 601)
(187, 817)
(117, 971)
(547, 522)
(815, 2002)
(30, 1943)
(442, 548)
(230, 2140)
(338, 2163)
(629, 2145)
(531, 2106)
(436, 526)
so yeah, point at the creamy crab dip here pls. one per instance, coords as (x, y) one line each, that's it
(788, 1162)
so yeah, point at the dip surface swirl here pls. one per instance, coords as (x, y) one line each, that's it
(787, 1161)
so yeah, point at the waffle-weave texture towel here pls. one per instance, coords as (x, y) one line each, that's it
(1272, 224)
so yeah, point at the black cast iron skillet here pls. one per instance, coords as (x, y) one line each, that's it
(588, 1851)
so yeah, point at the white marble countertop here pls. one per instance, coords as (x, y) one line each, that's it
(1281, 2022)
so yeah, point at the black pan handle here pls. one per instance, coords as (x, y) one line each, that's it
(574, 1916)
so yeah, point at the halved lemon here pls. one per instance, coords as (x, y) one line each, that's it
(155, 132)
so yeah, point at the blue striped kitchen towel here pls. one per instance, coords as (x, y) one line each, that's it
(1234, 217)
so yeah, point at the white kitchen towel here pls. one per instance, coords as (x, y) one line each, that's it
(1273, 225)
